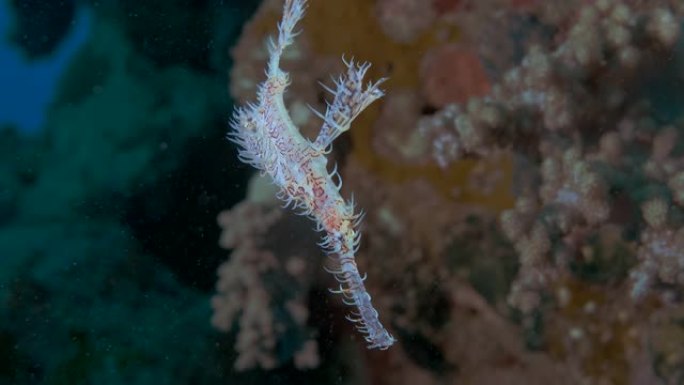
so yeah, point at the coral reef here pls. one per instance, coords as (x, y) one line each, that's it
(522, 179)
(523, 186)
(576, 113)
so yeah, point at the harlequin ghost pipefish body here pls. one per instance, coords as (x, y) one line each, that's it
(269, 141)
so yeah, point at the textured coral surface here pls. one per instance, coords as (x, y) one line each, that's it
(521, 182)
